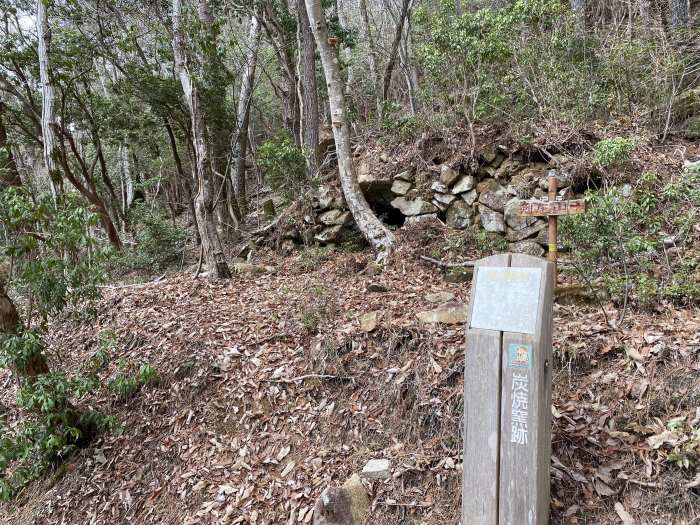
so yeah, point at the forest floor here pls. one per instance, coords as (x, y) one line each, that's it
(269, 391)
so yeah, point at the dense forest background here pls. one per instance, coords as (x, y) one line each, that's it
(143, 139)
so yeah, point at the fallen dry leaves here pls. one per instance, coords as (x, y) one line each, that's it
(270, 390)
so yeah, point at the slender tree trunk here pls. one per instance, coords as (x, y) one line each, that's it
(308, 90)
(381, 239)
(679, 13)
(372, 55)
(128, 197)
(204, 202)
(9, 174)
(243, 114)
(389, 71)
(185, 178)
(48, 115)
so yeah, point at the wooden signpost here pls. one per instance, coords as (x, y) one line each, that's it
(507, 392)
(552, 208)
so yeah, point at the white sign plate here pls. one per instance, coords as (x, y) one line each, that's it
(506, 299)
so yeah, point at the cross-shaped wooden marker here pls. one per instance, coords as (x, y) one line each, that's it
(551, 208)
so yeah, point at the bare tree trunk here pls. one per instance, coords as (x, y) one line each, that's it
(204, 202)
(9, 175)
(679, 13)
(308, 92)
(381, 239)
(186, 180)
(389, 71)
(243, 114)
(48, 115)
(128, 197)
(372, 56)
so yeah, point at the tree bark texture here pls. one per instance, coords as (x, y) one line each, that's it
(380, 238)
(243, 114)
(308, 92)
(48, 114)
(9, 174)
(679, 13)
(204, 201)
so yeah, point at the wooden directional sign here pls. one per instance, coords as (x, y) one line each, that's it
(552, 208)
(508, 392)
(547, 208)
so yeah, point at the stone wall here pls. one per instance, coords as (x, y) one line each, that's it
(459, 196)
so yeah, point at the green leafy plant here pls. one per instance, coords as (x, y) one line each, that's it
(613, 152)
(125, 386)
(621, 240)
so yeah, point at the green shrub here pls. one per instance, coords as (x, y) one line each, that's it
(613, 152)
(57, 261)
(125, 386)
(159, 243)
(283, 165)
(620, 239)
(55, 428)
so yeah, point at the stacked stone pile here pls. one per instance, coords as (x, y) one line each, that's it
(486, 197)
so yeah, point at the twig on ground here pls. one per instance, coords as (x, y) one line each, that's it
(308, 376)
(444, 264)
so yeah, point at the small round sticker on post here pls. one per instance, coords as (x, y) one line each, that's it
(520, 356)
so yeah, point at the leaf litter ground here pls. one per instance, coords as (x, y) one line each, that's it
(269, 391)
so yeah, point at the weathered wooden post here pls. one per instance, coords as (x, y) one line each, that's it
(507, 392)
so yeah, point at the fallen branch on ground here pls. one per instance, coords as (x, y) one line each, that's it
(443, 264)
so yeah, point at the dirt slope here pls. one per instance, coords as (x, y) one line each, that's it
(269, 391)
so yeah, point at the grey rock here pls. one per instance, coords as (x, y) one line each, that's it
(525, 233)
(405, 176)
(466, 183)
(330, 234)
(487, 171)
(489, 184)
(496, 200)
(470, 197)
(491, 220)
(439, 205)
(439, 297)
(439, 187)
(527, 247)
(450, 313)
(459, 215)
(325, 197)
(377, 288)
(419, 219)
(377, 469)
(444, 199)
(448, 176)
(335, 218)
(413, 207)
(346, 505)
(401, 187)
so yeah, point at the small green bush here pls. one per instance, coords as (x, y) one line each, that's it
(613, 152)
(283, 165)
(620, 239)
(125, 386)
